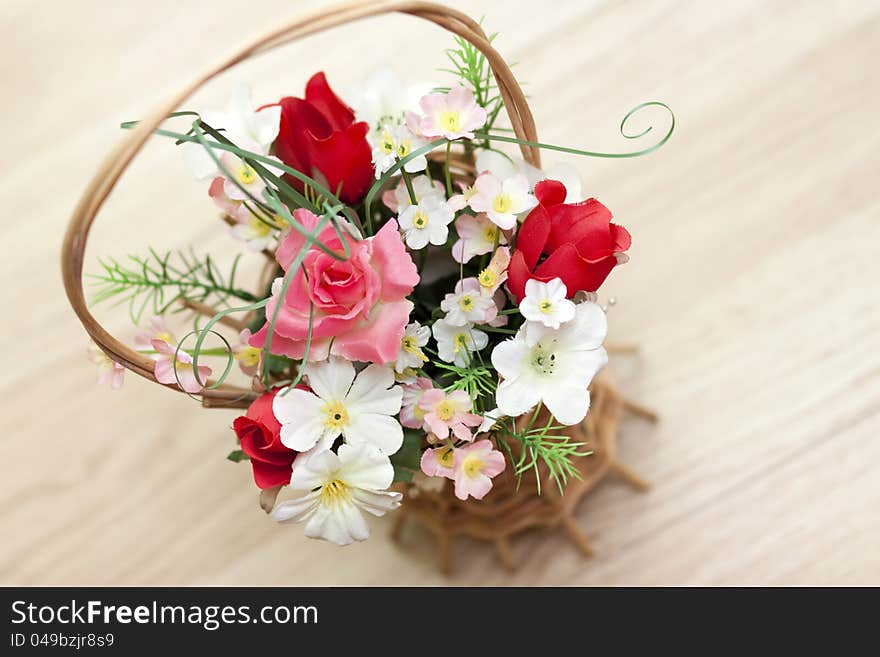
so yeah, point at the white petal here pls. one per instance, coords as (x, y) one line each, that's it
(556, 289)
(266, 124)
(568, 404)
(313, 469)
(304, 436)
(331, 379)
(363, 466)
(295, 406)
(295, 510)
(377, 502)
(380, 431)
(510, 357)
(374, 391)
(198, 161)
(515, 397)
(588, 328)
(340, 524)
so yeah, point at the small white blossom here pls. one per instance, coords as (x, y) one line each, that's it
(394, 143)
(427, 222)
(410, 354)
(468, 304)
(546, 303)
(455, 344)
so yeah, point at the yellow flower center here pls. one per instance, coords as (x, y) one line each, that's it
(245, 173)
(446, 456)
(404, 148)
(546, 306)
(386, 143)
(472, 466)
(334, 493)
(420, 221)
(460, 342)
(501, 203)
(410, 345)
(335, 415)
(450, 120)
(445, 410)
(490, 233)
(250, 356)
(466, 303)
(259, 228)
(165, 336)
(487, 278)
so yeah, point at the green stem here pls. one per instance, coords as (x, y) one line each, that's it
(492, 329)
(409, 187)
(446, 170)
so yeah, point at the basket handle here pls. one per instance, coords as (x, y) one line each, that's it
(118, 160)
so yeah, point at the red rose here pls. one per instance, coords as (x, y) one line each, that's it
(319, 137)
(260, 436)
(573, 241)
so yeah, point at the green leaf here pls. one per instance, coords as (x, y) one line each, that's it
(402, 474)
(237, 456)
(406, 459)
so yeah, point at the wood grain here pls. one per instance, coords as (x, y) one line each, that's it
(752, 290)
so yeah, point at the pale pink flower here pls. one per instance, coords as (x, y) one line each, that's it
(502, 200)
(248, 357)
(411, 415)
(109, 371)
(156, 330)
(451, 115)
(474, 467)
(439, 462)
(476, 236)
(461, 201)
(468, 304)
(233, 209)
(445, 413)
(495, 274)
(181, 373)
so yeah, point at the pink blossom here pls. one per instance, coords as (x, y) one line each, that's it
(182, 372)
(445, 413)
(474, 467)
(411, 415)
(236, 210)
(495, 274)
(248, 357)
(477, 236)
(109, 371)
(360, 305)
(468, 305)
(439, 462)
(156, 330)
(451, 115)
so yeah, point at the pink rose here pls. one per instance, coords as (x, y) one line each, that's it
(361, 310)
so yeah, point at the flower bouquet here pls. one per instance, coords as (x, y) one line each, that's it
(428, 312)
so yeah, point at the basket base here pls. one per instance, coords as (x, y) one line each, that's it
(507, 510)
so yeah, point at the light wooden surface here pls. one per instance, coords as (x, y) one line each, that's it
(753, 290)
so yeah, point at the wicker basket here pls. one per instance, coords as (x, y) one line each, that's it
(507, 510)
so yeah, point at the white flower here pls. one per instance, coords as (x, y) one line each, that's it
(242, 124)
(552, 366)
(468, 304)
(338, 488)
(384, 98)
(456, 343)
(502, 200)
(255, 233)
(504, 166)
(490, 419)
(546, 303)
(477, 236)
(410, 354)
(393, 143)
(426, 222)
(358, 408)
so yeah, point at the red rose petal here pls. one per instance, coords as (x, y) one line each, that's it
(321, 96)
(550, 192)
